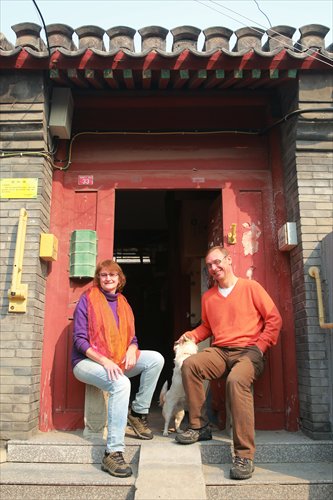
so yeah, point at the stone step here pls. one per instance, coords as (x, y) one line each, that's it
(170, 472)
(273, 481)
(50, 450)
(67, 466)
(166, 482)
(38, 481)
(73, 448)
(271, 447)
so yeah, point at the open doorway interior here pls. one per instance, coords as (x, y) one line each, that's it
(161, 237)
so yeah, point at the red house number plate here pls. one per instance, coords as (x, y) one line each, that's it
(85, 180)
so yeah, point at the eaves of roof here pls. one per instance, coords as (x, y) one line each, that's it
(247, 65)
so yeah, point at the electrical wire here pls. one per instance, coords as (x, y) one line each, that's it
(318, 57)
(321, 58)
(49, 157)
(44, 26)
(257, 4)
(302, 48)
(295, 113)
(68, 160)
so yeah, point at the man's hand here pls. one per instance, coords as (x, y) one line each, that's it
(183, 338)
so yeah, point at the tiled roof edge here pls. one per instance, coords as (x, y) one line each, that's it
(312, 36)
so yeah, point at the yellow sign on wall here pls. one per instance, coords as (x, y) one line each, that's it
(18, 188)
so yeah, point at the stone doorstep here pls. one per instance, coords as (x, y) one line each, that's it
(63, 492)
(279, 473)
(215, 474)
(170, 472)
(61, 474)
(166, 482)
(71, 447)
(270, 492)
(166, 470)
(65, 453)
(299, 481)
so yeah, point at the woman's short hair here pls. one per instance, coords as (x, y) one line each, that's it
(110, 266)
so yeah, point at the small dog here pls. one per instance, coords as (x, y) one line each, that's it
(173, 400)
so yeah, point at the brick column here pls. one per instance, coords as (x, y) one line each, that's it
(308, 159)
(24, 111)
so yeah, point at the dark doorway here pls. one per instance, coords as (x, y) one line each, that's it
(154, 246)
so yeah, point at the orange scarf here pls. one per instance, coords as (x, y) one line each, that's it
(104, 334)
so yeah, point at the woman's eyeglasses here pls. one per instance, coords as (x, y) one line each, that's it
(105, 275)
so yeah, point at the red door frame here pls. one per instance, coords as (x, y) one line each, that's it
(105, 184)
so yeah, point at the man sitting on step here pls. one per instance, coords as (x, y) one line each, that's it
(243, 322)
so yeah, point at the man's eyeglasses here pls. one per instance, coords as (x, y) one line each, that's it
(216, 262)
(105, 275)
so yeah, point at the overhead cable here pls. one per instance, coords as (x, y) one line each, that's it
(320, 57)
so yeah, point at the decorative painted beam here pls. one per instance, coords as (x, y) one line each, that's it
(128, 78)
(215, 79)
(275, 77)
(181, 78)
(110, 79)
(233, 77)
(58, 76)
(93, 78)
(249, 77)
(146, 78)
(164, 79)
(197, 79)
(75, 76)
(282, 77)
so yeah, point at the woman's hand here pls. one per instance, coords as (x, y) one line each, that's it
(130, 357)
(113, 370)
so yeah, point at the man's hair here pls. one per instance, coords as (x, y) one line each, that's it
(223, 250)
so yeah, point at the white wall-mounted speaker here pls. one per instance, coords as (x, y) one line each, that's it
(61, 113)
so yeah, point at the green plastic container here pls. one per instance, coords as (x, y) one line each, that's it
(82, 253)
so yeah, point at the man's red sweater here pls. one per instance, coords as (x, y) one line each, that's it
(247, 316)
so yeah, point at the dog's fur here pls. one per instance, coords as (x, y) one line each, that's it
(173, 400)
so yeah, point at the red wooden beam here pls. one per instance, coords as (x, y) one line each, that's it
(197, 79)
(77, 78)
(215, 78)
(164, 79)
(83, 59)
(109, 77)
(282, 77)
(177, 99)
(251, 76)
(128, 78)
(93, 77)
(146, 78)
(181, 78)
(232, 78)
(58, 76)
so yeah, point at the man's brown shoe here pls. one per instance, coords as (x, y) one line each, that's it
(242, 468)
(193, 435)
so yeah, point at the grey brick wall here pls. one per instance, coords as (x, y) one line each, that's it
(23, 105)
(308, 166)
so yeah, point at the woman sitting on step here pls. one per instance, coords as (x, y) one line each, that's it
(106, 355)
